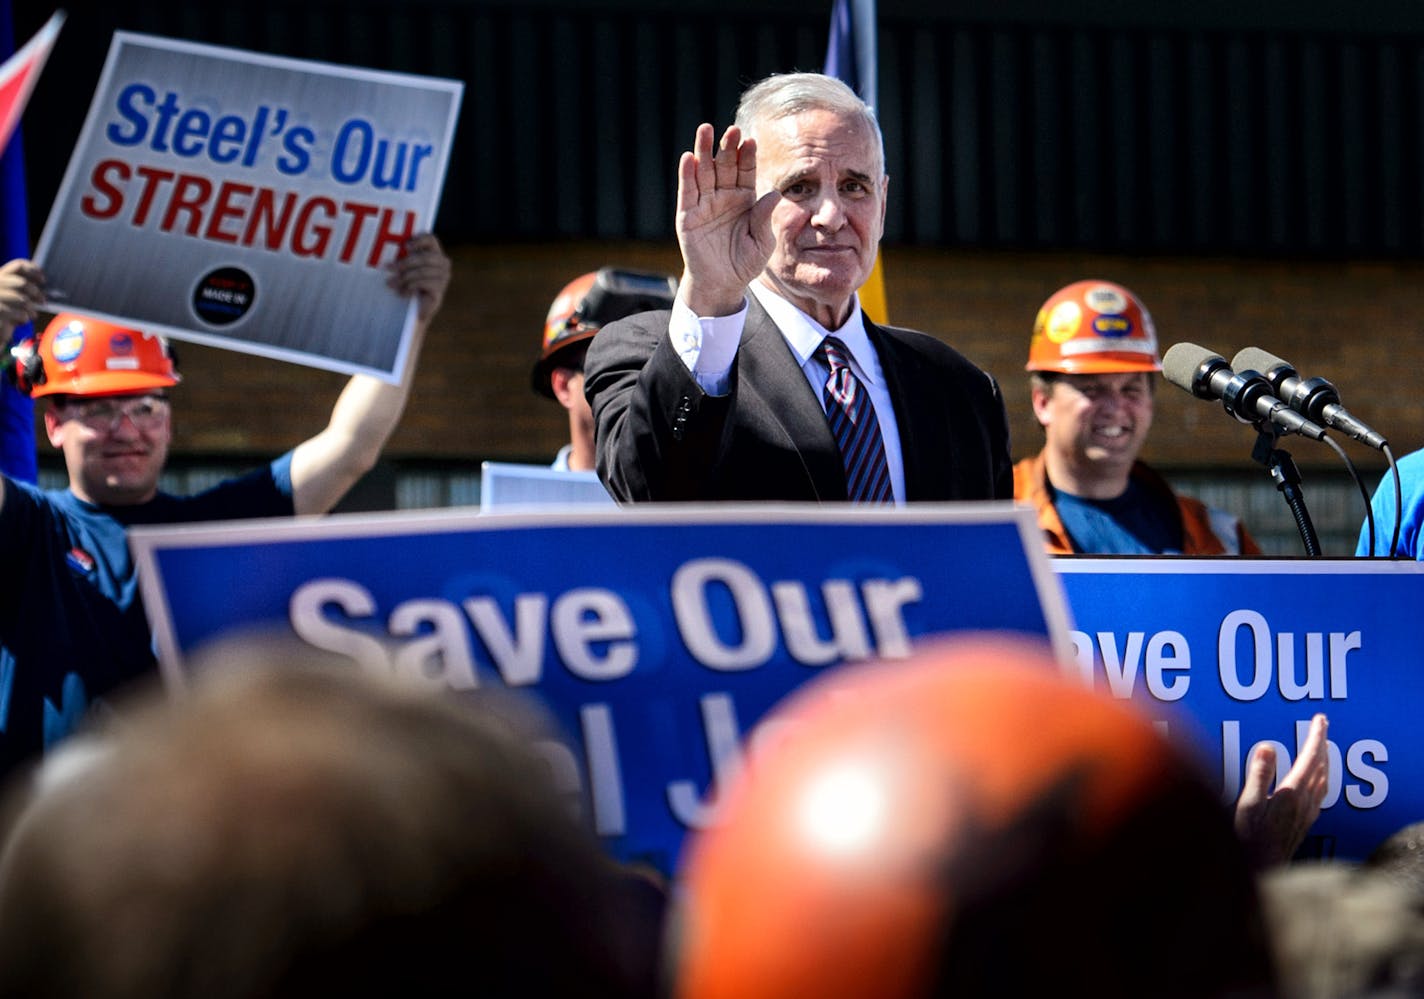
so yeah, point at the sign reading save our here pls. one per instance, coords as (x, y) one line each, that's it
(660, 638)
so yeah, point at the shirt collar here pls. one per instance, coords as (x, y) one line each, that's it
(804, 335)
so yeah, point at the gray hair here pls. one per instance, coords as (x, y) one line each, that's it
(783, 94)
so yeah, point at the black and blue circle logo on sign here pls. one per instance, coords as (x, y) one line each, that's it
(224, 296)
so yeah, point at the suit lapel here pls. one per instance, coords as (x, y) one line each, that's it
(775, 395)
(925, 448)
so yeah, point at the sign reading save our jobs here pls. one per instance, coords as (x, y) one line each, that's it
(1250, 649)
(656, 638)
(250, 202)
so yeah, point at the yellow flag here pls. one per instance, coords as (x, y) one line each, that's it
(872, 295)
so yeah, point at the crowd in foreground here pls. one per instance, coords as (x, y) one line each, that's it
(966, 822)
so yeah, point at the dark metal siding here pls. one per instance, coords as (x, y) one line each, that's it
(1017, 134)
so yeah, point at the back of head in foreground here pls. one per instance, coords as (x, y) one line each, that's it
(303, 831)
(967, 823)
(1400, 857)
(1344, 931)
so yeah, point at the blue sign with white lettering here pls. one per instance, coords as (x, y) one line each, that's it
(656, 638)
(1246, 650)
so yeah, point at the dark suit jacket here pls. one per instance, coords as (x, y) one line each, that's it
(660, 437)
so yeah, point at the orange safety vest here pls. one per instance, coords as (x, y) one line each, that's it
(1204, 531)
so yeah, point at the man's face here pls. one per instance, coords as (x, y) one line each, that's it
(829, 219)
(1096, 422)
(114, 446)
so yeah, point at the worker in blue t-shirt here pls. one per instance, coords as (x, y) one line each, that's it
(1409, 513)
(72, 626)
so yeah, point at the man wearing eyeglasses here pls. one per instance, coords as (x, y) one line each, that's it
(72, 628)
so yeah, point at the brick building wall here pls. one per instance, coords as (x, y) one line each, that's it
(1355, 323)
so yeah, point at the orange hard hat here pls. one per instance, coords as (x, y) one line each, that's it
(588, 303)
(1093, 327)
(81, 355)
(965, 822)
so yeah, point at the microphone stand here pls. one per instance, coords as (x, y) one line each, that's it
(1287, 478)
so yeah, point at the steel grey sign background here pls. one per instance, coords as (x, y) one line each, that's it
(310, 309)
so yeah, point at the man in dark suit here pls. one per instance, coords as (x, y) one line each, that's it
(734, 393)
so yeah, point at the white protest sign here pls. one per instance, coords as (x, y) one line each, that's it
(249, 201)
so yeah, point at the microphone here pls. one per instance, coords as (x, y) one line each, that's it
(1246, 395)
(1314, 398)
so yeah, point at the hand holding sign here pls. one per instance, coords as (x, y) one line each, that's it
(22, 287)
(423, 272)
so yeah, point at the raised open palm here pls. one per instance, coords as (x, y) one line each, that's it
(724, 230)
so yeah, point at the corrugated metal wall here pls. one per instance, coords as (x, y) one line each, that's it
(1177, 141)
(999, 134)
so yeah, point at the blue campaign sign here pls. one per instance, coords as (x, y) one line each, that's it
(656, 637)
(1231, 652)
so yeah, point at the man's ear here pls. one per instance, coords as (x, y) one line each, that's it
(54, 427)
(1040, 398)
(559, 380)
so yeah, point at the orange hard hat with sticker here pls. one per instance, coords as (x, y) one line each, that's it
(588, 303)
(1093, 327)
(81, 355)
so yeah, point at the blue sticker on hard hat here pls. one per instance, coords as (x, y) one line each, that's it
(121, 344)
(1113, 326)
(224, 296)
(69, 343)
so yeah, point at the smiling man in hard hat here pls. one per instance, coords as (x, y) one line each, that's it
(72, 627)
(1092, 364)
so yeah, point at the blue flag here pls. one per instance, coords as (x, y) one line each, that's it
(850, 57)
(17, 419)
(850, 49)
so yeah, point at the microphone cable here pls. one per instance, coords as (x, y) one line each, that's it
(1398, 506)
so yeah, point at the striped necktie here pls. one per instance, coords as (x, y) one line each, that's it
(851, 415)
